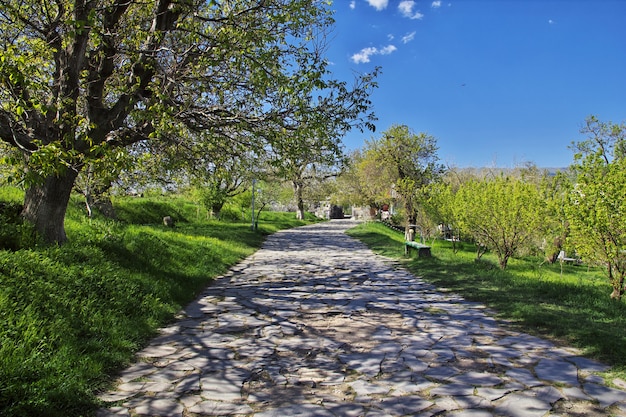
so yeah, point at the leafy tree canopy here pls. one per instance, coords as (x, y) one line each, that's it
(502, 214)
(596, 210)
(78, 79)
(402, 161)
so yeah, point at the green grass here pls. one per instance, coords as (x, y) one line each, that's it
(71, 316)
(572, 306)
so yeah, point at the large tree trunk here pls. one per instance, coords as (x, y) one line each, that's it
(45, 205)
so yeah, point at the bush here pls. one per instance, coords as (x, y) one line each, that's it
(398, 219)
(230, 212)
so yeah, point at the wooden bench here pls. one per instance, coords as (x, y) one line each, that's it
(422, 250)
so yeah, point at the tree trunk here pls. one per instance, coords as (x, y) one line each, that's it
(617, 293)
(504, 259)
(410, 230)
(297, 187)
(105, 206)
(479, 251)
(216, 209)
(618, 285)
(45, 205)
(503, 262)
(89, 203)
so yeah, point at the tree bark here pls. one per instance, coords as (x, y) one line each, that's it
(216, 209)
(618, 285)
(410, 230)
(297, 187)
(617, 294)
(105, 206)
(45, 205)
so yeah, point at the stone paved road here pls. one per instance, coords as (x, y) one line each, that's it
(315, 324)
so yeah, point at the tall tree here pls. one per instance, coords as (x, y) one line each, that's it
(304, 160)
(554, 192)
(439, 205)
(597, 209)
(309, 145)
(78, 78)
(404, 160)
(348, 190)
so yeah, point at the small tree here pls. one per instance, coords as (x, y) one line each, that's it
(502, 214)
(440, 206)
(597, 209)
(554, 191)
(222, 176)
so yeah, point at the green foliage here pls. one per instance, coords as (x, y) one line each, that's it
(9, 223)
(11, 194)
(597, 208)
(398, 166)
(71, 316)
(247, 72)
(503, 214)
(234, 212)
(570, 306)
(14, 232)
(213, 198)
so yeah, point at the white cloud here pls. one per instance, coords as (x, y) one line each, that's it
(387, 50)
(378, 4)
(390, 37)
(436, 4)
(408, 37)
(406, 8)
(353, 4)
(364, 54)
(551, 21)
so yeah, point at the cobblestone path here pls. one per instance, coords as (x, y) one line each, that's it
(315, 324)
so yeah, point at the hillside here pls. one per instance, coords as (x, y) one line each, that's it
(74, 315)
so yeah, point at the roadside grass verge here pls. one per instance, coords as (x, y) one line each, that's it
(72, 316)
(571, 306)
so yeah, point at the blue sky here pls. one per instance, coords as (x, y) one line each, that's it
(497, 82)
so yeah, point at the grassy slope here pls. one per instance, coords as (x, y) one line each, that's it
(573, 306)
(71, 316)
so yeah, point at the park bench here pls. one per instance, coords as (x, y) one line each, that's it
(563, 258)
(422, 250)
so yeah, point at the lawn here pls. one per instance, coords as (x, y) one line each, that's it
(569, 305)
